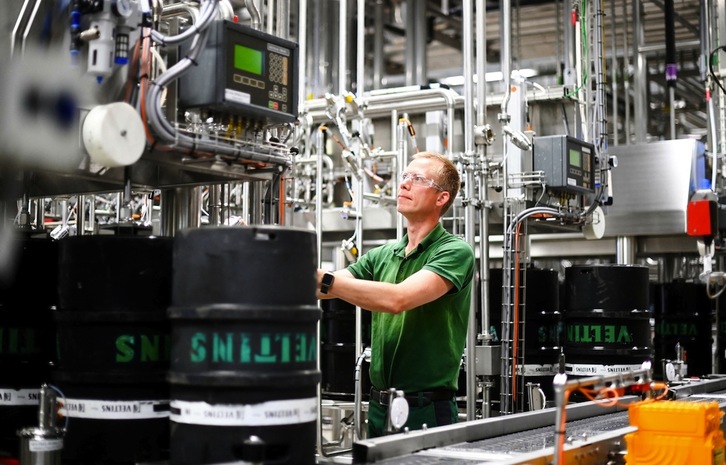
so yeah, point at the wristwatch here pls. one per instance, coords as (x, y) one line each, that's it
(326, 282)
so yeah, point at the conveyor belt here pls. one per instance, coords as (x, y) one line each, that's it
(502, 447)
(508, 446)
(540, 438)
(525, 438)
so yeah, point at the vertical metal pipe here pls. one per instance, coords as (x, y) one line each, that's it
(672, 111)
(506, 62)
(66, 215)
(319, 150)
(420, 42)
(302, 43)
(257, 194)
(470, 206)
(614, 74)
(119, 207)
(671, 66)
(707, 44)
(245, 201)
(483, 184)
(270, 16)
(719, 10)
(505, 8)
(215, 200)
(92, 212)
(705, 40)
(360, 186)
(450, 121)
(716, 124)
(40, 213)
(342, 46)
(410, 49)
(378, 56)
(195, 207)
(81, 216)
(401, 158)
(713, 138)
(626, 78)
(361, 50)
(569, 76)
(316, 49)
(283, 21)
(560, 53)
(625, 250)
(640, 78)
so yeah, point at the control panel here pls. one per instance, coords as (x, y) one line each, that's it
(568, 163)
(244, 72)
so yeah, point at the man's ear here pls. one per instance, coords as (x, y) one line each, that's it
(442, 198)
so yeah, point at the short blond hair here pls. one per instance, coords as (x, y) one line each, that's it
(447, 176)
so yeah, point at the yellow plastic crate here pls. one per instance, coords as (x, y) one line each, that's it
(675, 433)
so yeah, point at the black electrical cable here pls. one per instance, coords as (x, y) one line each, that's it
(565, 122)
(710, 66)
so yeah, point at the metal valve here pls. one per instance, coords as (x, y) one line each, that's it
(483, 135)
(43, 444)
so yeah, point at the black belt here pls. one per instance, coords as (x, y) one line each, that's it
(384, 397)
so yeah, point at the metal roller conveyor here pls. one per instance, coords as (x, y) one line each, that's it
(595, 435)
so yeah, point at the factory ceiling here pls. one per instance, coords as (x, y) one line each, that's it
(537, 40)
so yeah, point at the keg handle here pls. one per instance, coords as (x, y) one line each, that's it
(675, 370)
(537, 397)
(47, 409)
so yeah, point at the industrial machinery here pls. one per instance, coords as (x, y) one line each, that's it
(593, 201)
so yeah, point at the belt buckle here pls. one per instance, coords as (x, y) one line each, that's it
(383, 396)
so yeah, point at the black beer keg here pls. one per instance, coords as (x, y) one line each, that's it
(338, 355)
(113, 348)
(683, 315)
(27, 295)
(606, 319)
(542, 325)
(244, 346)
(542, 329)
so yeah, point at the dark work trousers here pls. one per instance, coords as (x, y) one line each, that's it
(426, 412)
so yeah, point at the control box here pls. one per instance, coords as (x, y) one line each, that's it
(568, 163)
(245, 72)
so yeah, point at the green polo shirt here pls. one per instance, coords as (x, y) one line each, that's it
(420, 349)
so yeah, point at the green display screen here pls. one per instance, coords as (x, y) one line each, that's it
(575, 158)
(248, 59)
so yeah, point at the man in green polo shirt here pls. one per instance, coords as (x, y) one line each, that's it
(419, 291)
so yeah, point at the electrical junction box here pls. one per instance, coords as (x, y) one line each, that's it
(568, 163)
(702, 214)
(243, 72)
